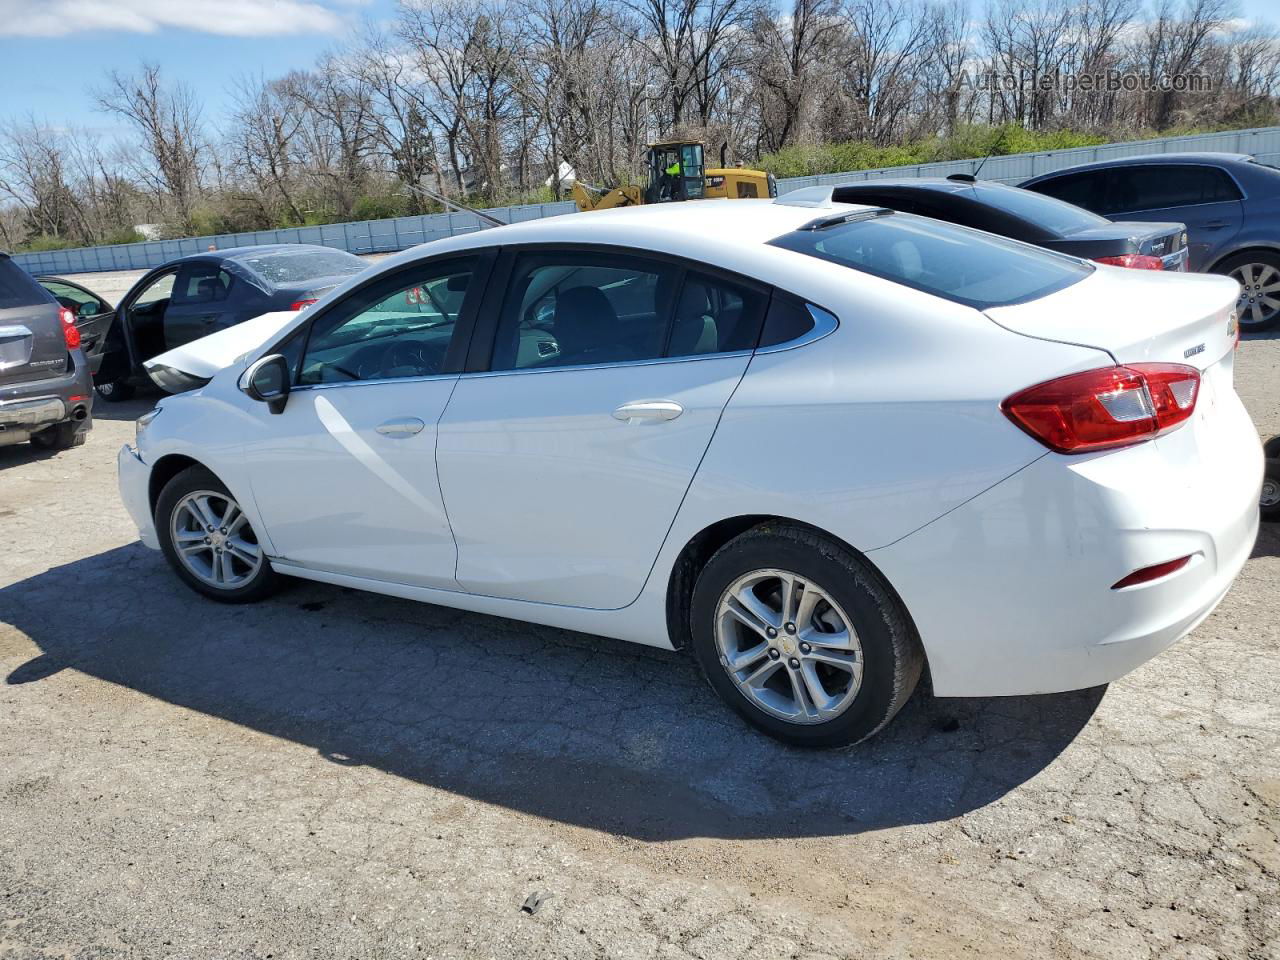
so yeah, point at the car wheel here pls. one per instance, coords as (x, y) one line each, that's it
(61, 436)
(803, 638)
(208, 540)
(1258, 274)
(115, 391)
(1271, 448)
(1269, 499)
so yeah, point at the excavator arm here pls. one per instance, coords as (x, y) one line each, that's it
(588, 197)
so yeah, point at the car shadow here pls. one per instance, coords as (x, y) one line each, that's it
(584, 730)
(130, 409)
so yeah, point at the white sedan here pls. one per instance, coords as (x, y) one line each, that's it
(823, 447)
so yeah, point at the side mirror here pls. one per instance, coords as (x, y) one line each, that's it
(267, 381)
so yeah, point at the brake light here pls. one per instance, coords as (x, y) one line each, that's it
(69, 332)
(302, 304)
(1107, 407)
(1134, 261)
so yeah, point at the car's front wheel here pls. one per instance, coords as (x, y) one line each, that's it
(802, 637)
(1269, 498)
(208, 540)
(114, 391)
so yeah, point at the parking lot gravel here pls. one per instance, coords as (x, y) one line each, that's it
(336, 774)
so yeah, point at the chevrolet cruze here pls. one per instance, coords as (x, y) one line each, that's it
(824, 447)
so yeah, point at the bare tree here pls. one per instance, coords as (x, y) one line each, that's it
(167, 120)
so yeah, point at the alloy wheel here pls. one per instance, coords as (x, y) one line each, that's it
(788, 646)
(213, 540)
(1260, 293)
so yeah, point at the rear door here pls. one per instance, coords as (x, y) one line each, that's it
(202, 302)
(32, 345)
(1204, 198)
(564, 459)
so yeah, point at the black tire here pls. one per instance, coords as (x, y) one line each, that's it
(1241, 261)
(115, 391)
(1271, 449)
(192, 480)
(891, 655)
(61, 436)
(1269, 502)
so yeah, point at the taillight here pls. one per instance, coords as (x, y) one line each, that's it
(1134, 261)
(299, 304)
(1107, 407)
(69, 331)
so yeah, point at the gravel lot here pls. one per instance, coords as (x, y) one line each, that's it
(337, 774)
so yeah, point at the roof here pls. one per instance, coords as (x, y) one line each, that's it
(940, 184)
(698, 228)
(235, 253)
(1145, 158)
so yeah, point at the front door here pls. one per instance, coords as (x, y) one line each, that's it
(564, 464)
(345, 477)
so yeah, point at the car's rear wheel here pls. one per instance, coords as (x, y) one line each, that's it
(61, 436)
(115, 391)
(1258, 273)
(1269, 499)
(803, 637)
(209, 541)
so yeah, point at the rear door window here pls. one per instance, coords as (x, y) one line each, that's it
(201, 283)
(17, 289)
(977, 269)
(1155, 187)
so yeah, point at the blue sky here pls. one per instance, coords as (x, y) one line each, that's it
(53, 52)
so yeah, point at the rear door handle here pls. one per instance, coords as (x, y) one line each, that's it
(401, 427)
(641, 410)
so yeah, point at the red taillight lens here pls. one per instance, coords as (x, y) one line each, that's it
(1154, 572)
(1134, 261)
(299, 304)
(1108, 407)
(69, 331)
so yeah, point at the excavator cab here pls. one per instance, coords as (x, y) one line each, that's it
(674, 171)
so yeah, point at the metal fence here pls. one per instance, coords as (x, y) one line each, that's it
(399, 233)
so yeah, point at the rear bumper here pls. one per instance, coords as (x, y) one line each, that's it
(32, 405)
(134, 478)
(1011, 592)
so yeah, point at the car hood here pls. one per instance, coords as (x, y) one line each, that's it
(194, 364)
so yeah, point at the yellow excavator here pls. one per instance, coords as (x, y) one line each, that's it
(674, 171)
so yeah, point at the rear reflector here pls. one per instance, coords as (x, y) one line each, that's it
(300, 304)
(1107, 407)
(1134, 261)
(1147, 574)
(69, 332)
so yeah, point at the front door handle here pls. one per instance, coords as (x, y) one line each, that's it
(641, 410)
(401, 427)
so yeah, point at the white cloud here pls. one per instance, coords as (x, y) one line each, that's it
(240, 18)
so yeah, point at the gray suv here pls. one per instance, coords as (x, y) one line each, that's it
(46, 393)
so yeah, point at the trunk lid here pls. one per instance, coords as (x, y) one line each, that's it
(1168, 241)
(194, 364)
(32, 344)
(1136, 316)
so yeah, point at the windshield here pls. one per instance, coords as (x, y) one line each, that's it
(292, 267)
(1052, 214)
(970, 267)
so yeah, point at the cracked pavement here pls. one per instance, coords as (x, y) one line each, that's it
(338, 774)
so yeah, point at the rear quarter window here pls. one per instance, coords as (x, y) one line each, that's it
(17, 289)
(967, 266)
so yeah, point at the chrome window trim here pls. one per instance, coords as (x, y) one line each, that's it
(609, 366)
(297, 388)
(824, 324)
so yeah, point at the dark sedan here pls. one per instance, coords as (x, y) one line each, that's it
(1229, 201)
(1029, 217)
(197, 295)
